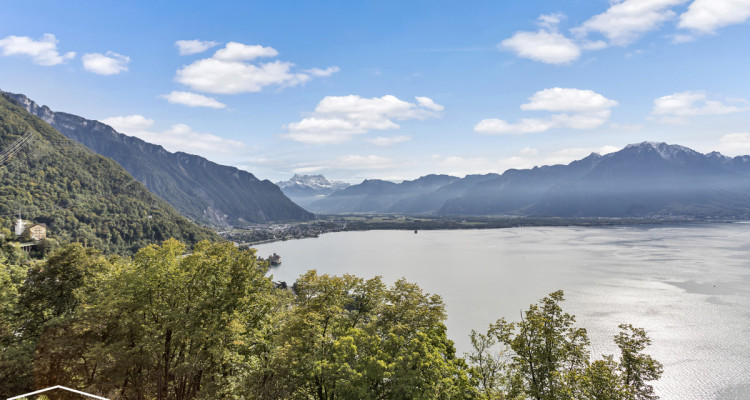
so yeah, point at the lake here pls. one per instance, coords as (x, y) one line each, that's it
(687, 285)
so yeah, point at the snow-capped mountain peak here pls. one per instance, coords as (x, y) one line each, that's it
(315, 182)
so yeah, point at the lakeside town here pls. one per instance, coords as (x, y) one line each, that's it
(266, 233)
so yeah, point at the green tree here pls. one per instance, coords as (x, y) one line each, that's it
(345, 337)
(601, 381)
(15, 353)
(174, 326)
(545, 357)
(636, 367)
(548, 351)
(51, 289)
(488, 368)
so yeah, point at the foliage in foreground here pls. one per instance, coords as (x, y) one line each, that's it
(545, 357)
(211, 325)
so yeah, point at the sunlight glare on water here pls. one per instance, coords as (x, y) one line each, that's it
(687, 285)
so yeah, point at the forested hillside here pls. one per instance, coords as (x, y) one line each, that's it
(201, 190)
(80, 196)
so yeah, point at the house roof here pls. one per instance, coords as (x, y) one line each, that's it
(58, 387)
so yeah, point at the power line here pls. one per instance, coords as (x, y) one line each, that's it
(15, 147)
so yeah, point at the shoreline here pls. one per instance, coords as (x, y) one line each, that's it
(269, 233)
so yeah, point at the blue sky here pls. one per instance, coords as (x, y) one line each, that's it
(390, 89)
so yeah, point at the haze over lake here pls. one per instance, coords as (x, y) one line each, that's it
(687, 285)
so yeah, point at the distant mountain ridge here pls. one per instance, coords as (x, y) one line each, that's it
(202, 190)
(80, 196)
(646, 179)
(304, 189)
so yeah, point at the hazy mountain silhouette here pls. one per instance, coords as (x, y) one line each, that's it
(642, 180)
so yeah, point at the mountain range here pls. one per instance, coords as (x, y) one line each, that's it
(642, 180)
(304, 189)
(199, 189)
(78, 195)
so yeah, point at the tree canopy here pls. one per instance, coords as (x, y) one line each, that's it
(205, 322)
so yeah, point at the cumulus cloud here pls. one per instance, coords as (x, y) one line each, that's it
(129, 123)
(234, 51)
(574, 108)
(42, 52)
(677, 108)
(562, 99)
(178, 137)
(626, 21)
(193, 100)
(337, 119)
(352, 162)
(622, 23)
(705, 16)
(546, 45)
(735, 144)
(231, 70)
(188, 47)
(389, 141)
(110, 63)
(495, 126)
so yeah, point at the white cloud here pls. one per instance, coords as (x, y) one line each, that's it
(129, 123)
(110, 63)
(188, 47)
(565, 99)
(193, 100)
(529, 151)
(586, 120)
(706, 16)
(234, 51)
(577, 109)
(546, 46)
(427, 103)
(593, 45)
(734, 144)
(42, 52)
(337, 119)
(676, 108)
(317, 72)
(229, 71)
(350, 162)
(494, 126)
(179, 137)
(389, 141)
(626, 21)
(550, 21)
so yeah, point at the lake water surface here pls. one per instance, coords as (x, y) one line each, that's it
(687, 285)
